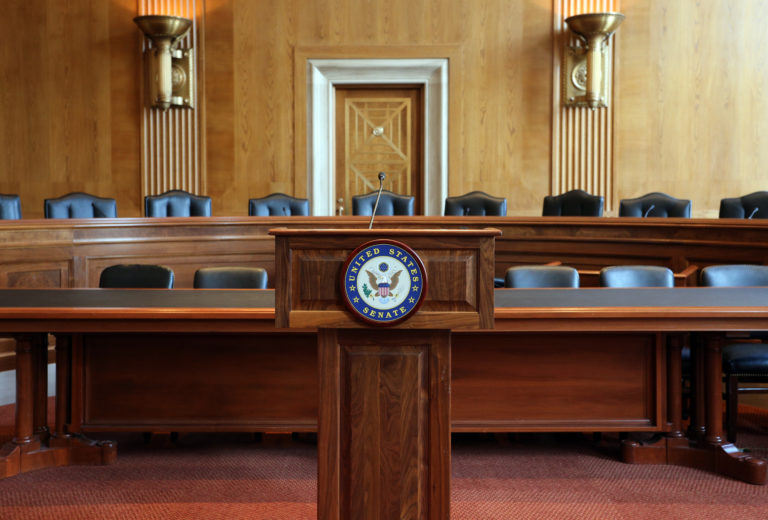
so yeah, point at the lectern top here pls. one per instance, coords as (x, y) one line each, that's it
(390, 232)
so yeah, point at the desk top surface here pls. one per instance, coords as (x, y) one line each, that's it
(682, 298)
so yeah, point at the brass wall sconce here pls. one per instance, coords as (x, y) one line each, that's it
(169, 71)
(586, 68)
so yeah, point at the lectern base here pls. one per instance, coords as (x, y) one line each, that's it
(384, 424)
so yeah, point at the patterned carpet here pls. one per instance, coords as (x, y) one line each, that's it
(233, 476)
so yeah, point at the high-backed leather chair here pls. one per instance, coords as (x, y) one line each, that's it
(744, 361)
(540, 276)
(754, 205)
(177, 203)
(230, 278)
(636, 276)
(10, 207)
(278, 204)
(476, 203)
(389, 204)
(655, 205)
(80, 205)
(574, 203)
(136, 276)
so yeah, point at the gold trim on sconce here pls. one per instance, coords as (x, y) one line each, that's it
(587, 69)
(169, 71)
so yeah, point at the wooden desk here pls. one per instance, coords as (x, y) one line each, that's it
(558, 360)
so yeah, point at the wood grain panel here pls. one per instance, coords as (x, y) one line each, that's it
(83, 248)
(552, 381)
(383, 437)
(690, 118)
(253, 382)
(693, 118)
(68, 100)
(383, 408)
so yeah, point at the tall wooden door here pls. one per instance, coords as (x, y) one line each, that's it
(378, 129)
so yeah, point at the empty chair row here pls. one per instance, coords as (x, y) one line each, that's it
(553, 276)
(151, 276)
(579, 203)
(541, 276)
(179, 203)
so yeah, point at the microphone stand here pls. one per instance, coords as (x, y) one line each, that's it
(648, 211)
(376, 205)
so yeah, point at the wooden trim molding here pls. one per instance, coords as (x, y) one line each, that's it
(318, 72)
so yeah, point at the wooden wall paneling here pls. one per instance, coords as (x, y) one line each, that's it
(123, 177)
(80, 93)
(693, 116)
(65, 97)
(25, 104)
(218, 96)
(263, 126)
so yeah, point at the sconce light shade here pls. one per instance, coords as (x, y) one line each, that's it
(169, 71)
(595, 29)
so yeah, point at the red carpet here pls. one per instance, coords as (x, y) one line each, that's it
(231, 476)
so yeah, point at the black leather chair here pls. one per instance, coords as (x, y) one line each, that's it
(136, 276)
(230, 278)
(177, 203)
(655, 205)
(476, 203)
(744, 361)
(10, 207)
(278, 204)
(754, 205)
(574, 203)
(390, 204)
(636, 276)
(541, 276)
(80, 205)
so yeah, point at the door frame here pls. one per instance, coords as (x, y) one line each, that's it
(323, 75)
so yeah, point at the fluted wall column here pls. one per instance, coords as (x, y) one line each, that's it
(172, 147)
(582, 139)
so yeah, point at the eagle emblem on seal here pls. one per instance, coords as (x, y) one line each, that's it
(383, 284)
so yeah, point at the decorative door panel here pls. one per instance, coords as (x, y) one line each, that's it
(378, 130)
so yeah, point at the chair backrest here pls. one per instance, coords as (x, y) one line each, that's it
(177, 203)
(735, 275)
(540, 276)
(80, 205)
(390, 204)
(637, 276)
(136, 276)
(574, 203)
(655, 205)
(230, 278)
(476, 203)
(754, 205)
(10, 207)
(278, 204)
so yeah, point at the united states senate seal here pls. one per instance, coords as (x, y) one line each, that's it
(383, 282)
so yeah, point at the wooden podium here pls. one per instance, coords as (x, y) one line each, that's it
(384, 445)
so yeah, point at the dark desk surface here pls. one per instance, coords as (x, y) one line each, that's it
(679, 298)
